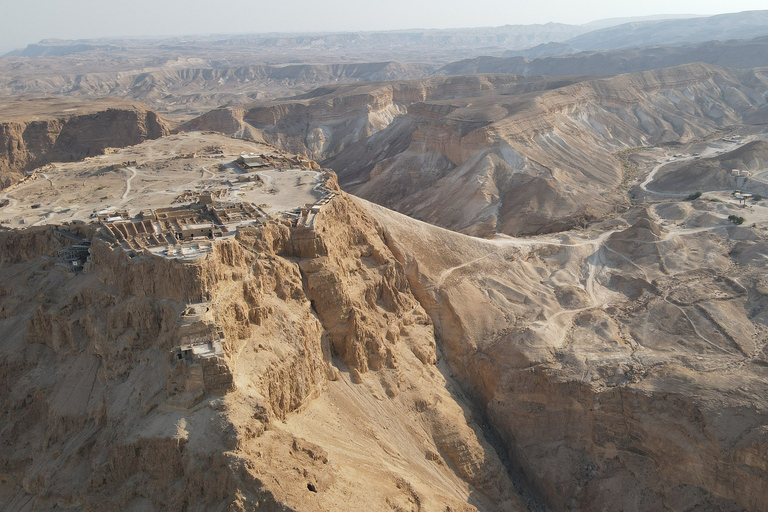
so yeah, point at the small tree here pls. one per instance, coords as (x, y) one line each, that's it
(693, 196)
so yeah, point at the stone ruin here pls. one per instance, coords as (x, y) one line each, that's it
(197, 364)
(184, 232)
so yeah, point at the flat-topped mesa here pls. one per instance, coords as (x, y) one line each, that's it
(228, 342)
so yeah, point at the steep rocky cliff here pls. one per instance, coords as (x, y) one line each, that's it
(327, 392)
(69, 131)
(325, 367)
(537, 162)
(324, 122)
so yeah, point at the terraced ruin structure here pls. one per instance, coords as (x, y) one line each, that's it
(148, 207)
(183, 232)
(547, 293)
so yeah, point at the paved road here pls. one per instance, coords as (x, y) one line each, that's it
(762, 177)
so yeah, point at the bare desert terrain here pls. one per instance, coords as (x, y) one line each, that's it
(273, 273)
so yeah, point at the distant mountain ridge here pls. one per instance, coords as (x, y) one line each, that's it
(611, 22)
(502, 37)
(733, 54)
(543, 50)
(722, 27)
(184, 77)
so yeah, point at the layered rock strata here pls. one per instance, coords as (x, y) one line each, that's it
(520, 155)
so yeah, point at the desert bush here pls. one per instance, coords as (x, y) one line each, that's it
(736, 219)
(693, 196)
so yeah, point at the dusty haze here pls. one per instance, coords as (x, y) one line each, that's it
(513, 269)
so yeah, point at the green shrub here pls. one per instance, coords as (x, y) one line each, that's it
(736, 219)
(693, 196)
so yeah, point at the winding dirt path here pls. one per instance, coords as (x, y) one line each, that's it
(128, 183)
(707, 152)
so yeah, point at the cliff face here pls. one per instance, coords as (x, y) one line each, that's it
(317, 368)
(531, 163)
(325, 122)
(27, 144)
(327, 364)
(185, 86)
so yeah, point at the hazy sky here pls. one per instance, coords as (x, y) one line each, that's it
(28, 21)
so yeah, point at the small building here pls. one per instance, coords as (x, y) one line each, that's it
(742, 197)
(203, 230)
(112, 215)
(251, 161)
(251, 176)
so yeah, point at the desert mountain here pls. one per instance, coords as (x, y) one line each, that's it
(36, 131)
(185, 77)
(562, 60)
(612, 22)
(543, 50)
(742, 25)
(315, 354)
(580, 393)
(520, 155)
(547, 293)
(433, 43)
(327, 356)
(182, 86)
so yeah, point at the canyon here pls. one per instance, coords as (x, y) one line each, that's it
(461, 281)
(522, 156)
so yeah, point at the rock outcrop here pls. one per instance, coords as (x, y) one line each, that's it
(521, 156)
(291, 367)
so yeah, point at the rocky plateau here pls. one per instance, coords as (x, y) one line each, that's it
(303, 273)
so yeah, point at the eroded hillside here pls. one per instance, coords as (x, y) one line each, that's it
(205, 320)
(285, 364)
(625, 370)
(519, 155)
(215, 355)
